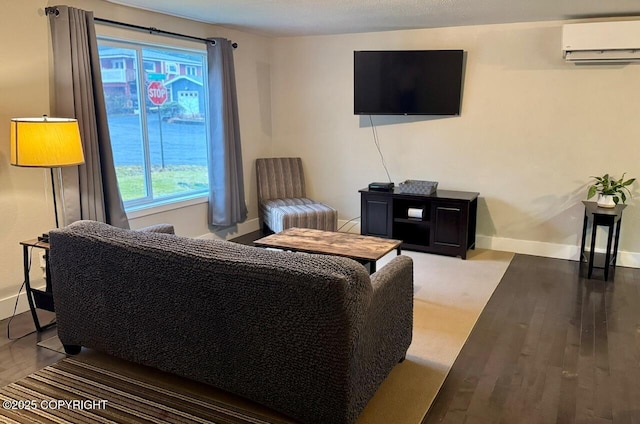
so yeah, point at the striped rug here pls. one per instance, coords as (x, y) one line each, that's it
(98, 395)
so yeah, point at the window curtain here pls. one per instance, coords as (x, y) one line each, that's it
(227, 205)
(90, 191)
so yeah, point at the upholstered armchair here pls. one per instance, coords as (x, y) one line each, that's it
(282, 201)
(159, 228)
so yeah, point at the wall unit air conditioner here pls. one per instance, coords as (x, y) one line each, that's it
(601, 42)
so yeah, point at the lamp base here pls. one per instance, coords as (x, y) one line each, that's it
(44, 238)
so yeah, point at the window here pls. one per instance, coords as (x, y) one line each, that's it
(191, 70)
(157, 123)
(149, 66)
(171, 67)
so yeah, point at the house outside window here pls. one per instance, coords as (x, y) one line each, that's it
(157, 122)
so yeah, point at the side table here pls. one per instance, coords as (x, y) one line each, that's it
(37, 298)
(605, 217)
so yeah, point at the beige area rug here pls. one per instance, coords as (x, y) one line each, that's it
(450, 294)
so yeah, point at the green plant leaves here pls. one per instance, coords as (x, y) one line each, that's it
(608, 185)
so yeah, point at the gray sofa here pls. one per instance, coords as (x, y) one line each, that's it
(311, 336)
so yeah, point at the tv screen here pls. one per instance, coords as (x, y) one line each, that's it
(408, 82)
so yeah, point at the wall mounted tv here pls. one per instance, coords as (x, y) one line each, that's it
(408, 82)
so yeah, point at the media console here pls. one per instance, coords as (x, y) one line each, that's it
(447, 224)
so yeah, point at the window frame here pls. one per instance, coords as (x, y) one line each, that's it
(138, 205)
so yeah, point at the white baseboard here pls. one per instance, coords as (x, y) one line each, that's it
(629, 259)
(527, 247)
(8, 303)
(349, 226)
(537, 248)
(549, 250)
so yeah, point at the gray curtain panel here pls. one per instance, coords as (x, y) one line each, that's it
(90, 190)
(226, 182)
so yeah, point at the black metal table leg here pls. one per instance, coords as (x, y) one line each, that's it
(27, 285)
(584, 238)
(607, 260)
(615, 243)
(38, 299)
(602, 217)
(593, 248)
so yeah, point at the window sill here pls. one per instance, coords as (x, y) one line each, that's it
(140, 211)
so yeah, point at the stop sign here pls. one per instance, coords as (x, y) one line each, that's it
(157, 93)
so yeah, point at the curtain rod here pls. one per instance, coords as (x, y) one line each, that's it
(150, 30)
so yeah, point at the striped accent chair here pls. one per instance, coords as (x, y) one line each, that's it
(282, 199)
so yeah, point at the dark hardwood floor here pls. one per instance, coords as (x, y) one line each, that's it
(551, 346)
(21, 356)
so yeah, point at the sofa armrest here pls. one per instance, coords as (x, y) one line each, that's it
(388, 327)
(400, 267)
(391, 309)
(158, 228)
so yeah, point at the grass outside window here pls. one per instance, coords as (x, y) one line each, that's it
(169, 181)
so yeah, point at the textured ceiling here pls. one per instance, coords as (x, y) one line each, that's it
(314, 17)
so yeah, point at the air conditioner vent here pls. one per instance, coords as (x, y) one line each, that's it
(601, 42)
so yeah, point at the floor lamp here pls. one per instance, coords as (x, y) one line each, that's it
(46, 142)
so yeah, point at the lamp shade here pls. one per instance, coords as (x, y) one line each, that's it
(45, 142)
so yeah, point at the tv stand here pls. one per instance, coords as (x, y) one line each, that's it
(447, 225)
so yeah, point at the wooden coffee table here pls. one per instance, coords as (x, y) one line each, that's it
(364, 249)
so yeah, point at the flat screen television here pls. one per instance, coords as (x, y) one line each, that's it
(408, 82)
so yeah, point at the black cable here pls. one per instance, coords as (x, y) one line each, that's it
(377, 142)
(342, 226)
(354, 224)
(15, 306)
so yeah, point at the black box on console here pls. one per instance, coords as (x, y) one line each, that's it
(381, 186)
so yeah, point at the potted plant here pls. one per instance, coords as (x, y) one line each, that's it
(611, 191)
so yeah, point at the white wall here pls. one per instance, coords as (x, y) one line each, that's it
(531, 132)
(26, 209)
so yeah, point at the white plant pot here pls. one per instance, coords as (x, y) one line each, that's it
(606, 201)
